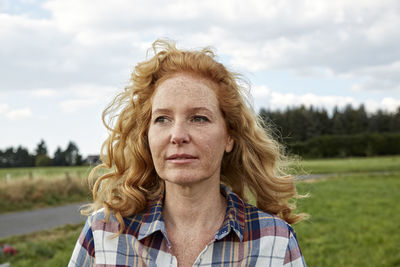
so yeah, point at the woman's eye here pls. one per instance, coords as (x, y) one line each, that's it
(161, 119)
(200, 119)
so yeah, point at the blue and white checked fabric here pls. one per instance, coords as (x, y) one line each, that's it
(248, 237)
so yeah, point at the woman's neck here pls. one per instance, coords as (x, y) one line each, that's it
(199, 207)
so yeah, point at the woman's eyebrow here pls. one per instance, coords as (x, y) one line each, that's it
(161, 110)
(192, 110)
(199, 109)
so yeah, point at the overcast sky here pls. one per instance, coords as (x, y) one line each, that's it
(61, 61)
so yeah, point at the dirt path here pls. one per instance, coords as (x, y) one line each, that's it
(18, 223)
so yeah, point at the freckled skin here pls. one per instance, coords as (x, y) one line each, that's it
(186, 119)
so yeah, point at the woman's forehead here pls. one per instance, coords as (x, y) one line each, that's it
(185, 90)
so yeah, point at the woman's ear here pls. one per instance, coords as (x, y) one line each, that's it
(229, 144)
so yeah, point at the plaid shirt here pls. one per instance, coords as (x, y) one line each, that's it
(248, 237)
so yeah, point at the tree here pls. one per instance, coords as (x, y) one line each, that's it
(59, 158)
(20, 157)
(8, 158)
(72, 156)
(337, 122)
(380, 122)
(354, 121)
(41, 148)
(41, 157)
(395, 122)
(23, 158)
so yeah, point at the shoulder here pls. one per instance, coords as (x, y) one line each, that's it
(259, 224)
(254, 222)
(273, 235)
(103, 222)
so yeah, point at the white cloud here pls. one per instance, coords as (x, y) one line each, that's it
(391, 104)
(44, 92)
(280, 101)
(46, 57)
(3, 108)
(83, 42)
(267, 98)
(379, 77)
(87, 95)
(15, 114)
(19, 114)
(74, 105)
(93, 91)
(260, 91)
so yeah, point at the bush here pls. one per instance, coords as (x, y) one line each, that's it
(43, 160)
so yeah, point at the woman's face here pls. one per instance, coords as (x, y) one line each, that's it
(187, 133)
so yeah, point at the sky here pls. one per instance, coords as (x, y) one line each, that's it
(62, 61)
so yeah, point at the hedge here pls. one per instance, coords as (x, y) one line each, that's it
(359, 145)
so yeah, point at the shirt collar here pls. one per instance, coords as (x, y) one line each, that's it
(234, 217)
(153, 220)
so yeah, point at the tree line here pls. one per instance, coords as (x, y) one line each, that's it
(305, 131)
(313, 132)
(21, 157)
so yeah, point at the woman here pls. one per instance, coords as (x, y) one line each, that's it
(184, 152)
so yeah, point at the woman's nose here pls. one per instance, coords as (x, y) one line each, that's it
(179, 134)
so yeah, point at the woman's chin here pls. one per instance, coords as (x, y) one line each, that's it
(186, 177)
(184, 180)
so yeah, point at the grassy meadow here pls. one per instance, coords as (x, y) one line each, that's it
(354, 218)
(347, 165)
(30, 188)
(43, 172)
(26, 194)
(51, 248)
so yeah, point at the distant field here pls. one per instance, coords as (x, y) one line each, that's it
(31, 188)
(26, 194)
(44, 172)
(348, 165)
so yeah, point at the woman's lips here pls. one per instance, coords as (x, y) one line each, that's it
(181, 158)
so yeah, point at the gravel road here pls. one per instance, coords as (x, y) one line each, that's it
(18, 223)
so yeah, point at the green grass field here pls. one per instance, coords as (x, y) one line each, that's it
(50, 248)
(43, 172)
(354, 218)
(354, 221)
(348, 165)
